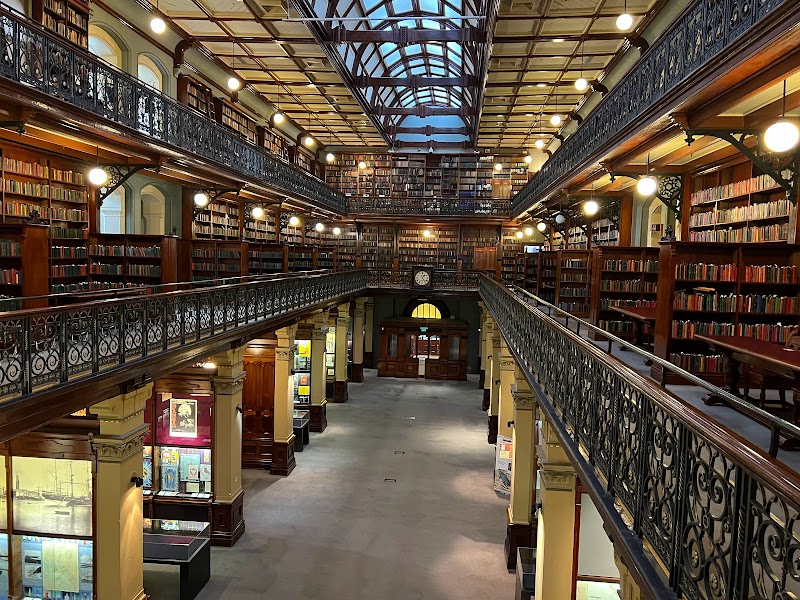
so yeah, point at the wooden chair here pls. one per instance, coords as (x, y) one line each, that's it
(755, 378)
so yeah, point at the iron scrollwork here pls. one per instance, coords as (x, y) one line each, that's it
(718, 528)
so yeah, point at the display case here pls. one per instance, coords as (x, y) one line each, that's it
(174, 540)
(301, 374)
(177, 448)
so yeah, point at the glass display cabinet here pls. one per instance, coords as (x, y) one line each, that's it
(182, 543)
(301, 374)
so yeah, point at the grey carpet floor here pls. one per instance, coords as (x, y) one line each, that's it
(335, 529)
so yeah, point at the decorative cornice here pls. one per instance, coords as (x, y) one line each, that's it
(523, 400)
(359, 313)
(496, 342)
(229, 385)
(562, 480)
(319, 335)
(118, 450)
(284, 354)
(342, 321)
(507, 363)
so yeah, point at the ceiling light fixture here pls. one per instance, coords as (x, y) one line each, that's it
(556, 120)
(541, 85)
(529, 231)
(257, 212)
(782, 135)
(647, 185)
(278, 118)
(528, 158)
(294, 221)
(362, 165)
(157, 24)
(209, 365)
(201, 199)
(233, 81)
(319, 227)
(560, 218)
(97, 175)
(330, 157)
(581, 84)
(498, 166)
(541, 226)
(426, 233)
(337, 231)
(308, 141)
(539, 143)
(591, 208)
(624, 21)
(519, 234)
(558, 40)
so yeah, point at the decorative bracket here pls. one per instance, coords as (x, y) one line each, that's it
(771, 163)
(213, 194)
(117, 175)
(669, 190)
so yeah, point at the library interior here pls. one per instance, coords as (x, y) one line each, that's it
(395, 299)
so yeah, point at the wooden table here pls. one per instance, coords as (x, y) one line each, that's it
(769, 356)
(644, 318)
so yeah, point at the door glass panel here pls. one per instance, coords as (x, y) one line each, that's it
(454, 347)
(393, 345)
(413, 345)
(435, 342)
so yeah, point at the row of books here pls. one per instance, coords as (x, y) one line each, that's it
(574, 277)
(698, 363)
(10, 248)
(574, 263)
(631, 265)
(68, 270)
(606, 303)
(572, 292)
(628, 285)
(705, 271)
(770, 274)
(738, 214)
(740, 235)
(10, 276)
(737, 188)
(750, 303)
(616, 326)
(21, 167)
(68, 252)
(772, 332)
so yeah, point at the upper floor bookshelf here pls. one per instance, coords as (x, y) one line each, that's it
(220, 220)
(235, 119)
(66, 18)
(196, 95)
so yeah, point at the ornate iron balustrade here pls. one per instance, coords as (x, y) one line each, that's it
(706, 30)
(720, 517)
(36, 58)
(442, 280)
(481, 207)
(41, 348)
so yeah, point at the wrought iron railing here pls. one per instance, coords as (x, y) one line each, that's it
(442, 280)
(482, 207)
(41, 348)
(706, 30)
(36, 58)
(719, 516)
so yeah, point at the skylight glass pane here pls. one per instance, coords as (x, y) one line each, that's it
(434, 49)
(380, 12)
(418, 70)
(428, 24)
(401, 6)
(386, 48)
(370, 4)
(429, 6)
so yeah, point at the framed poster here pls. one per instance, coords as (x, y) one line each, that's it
(60, 565)
(190, 466)
(183, 417)
(169, 479)
(502, 469)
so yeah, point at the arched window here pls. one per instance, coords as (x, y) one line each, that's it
(149, 73)
(153, 210)
(112, 212)
(103, 45)
(426, 311)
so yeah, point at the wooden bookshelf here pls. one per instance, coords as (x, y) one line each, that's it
(22, 250)
(261, 230)
(439, 248)
(66, 18)
(626, 276)
(265, 259)
(573, 282)
(604, 232)
(511, 245)
(739, 204)
(723, 289)
(478, 239)
(216, 259)
(547, 265)
(219, 221)
(234, 119)
(300, 258)
(127, 260)
(273, 143)
(196, 95)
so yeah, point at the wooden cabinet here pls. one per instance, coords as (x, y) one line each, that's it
(258, 401)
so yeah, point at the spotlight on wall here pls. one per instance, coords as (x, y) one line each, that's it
(97, 176)
(201, 199)
(541, 226)
(137, 481)
(590, 208)
(337, 231)
(319, 227)
(294, 221)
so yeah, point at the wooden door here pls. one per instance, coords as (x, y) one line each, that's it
(484, 259)
(258, 400)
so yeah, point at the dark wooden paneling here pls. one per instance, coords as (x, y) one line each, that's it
(258, 404)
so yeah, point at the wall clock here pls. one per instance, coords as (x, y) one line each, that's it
(422, 278)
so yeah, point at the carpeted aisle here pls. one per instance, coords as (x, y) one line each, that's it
(335, 529)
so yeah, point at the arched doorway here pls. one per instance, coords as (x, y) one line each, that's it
(112, 212)
(153, 209)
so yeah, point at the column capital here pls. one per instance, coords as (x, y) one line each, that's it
(558, 479)
(343, 308)
(523, 399)
(370, 301)
(361, 302)
(123, 406)
(231, 358)
(319, 334)
(286, 354)
(495, 342)
(229, 385)
(111, 449)
(286, 333)
(359, 313)
(343, 321)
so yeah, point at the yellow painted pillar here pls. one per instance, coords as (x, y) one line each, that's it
(228, 505)
(629, 589)
(319, 404)
(358, 340)
(506, 403)
(488, 331)
(494, 386)
(482, 349)
(523, 471)
(118, 503)
(283, 460)
(555, 535)
(340, 366)
(369, 326)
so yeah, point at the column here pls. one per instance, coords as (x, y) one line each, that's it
(506, 402)
(358, 340)
(319, 404)
(488, 331)
(369, 325)
(340, 370)
(228, 507)
(555, 535)
(118, 502)
(629, 589)
(519, 530)
(482, 347)
(494, 386)
(283, 461)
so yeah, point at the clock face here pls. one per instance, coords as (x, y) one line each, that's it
(422, 278)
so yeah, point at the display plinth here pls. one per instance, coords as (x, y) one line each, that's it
(182, 543)
(283, 461)
(340, 394)
(518, 535)
(368, 360)
(357, 373)
(492, 428)
(319, 417)
(486, 399)
(481, 378)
